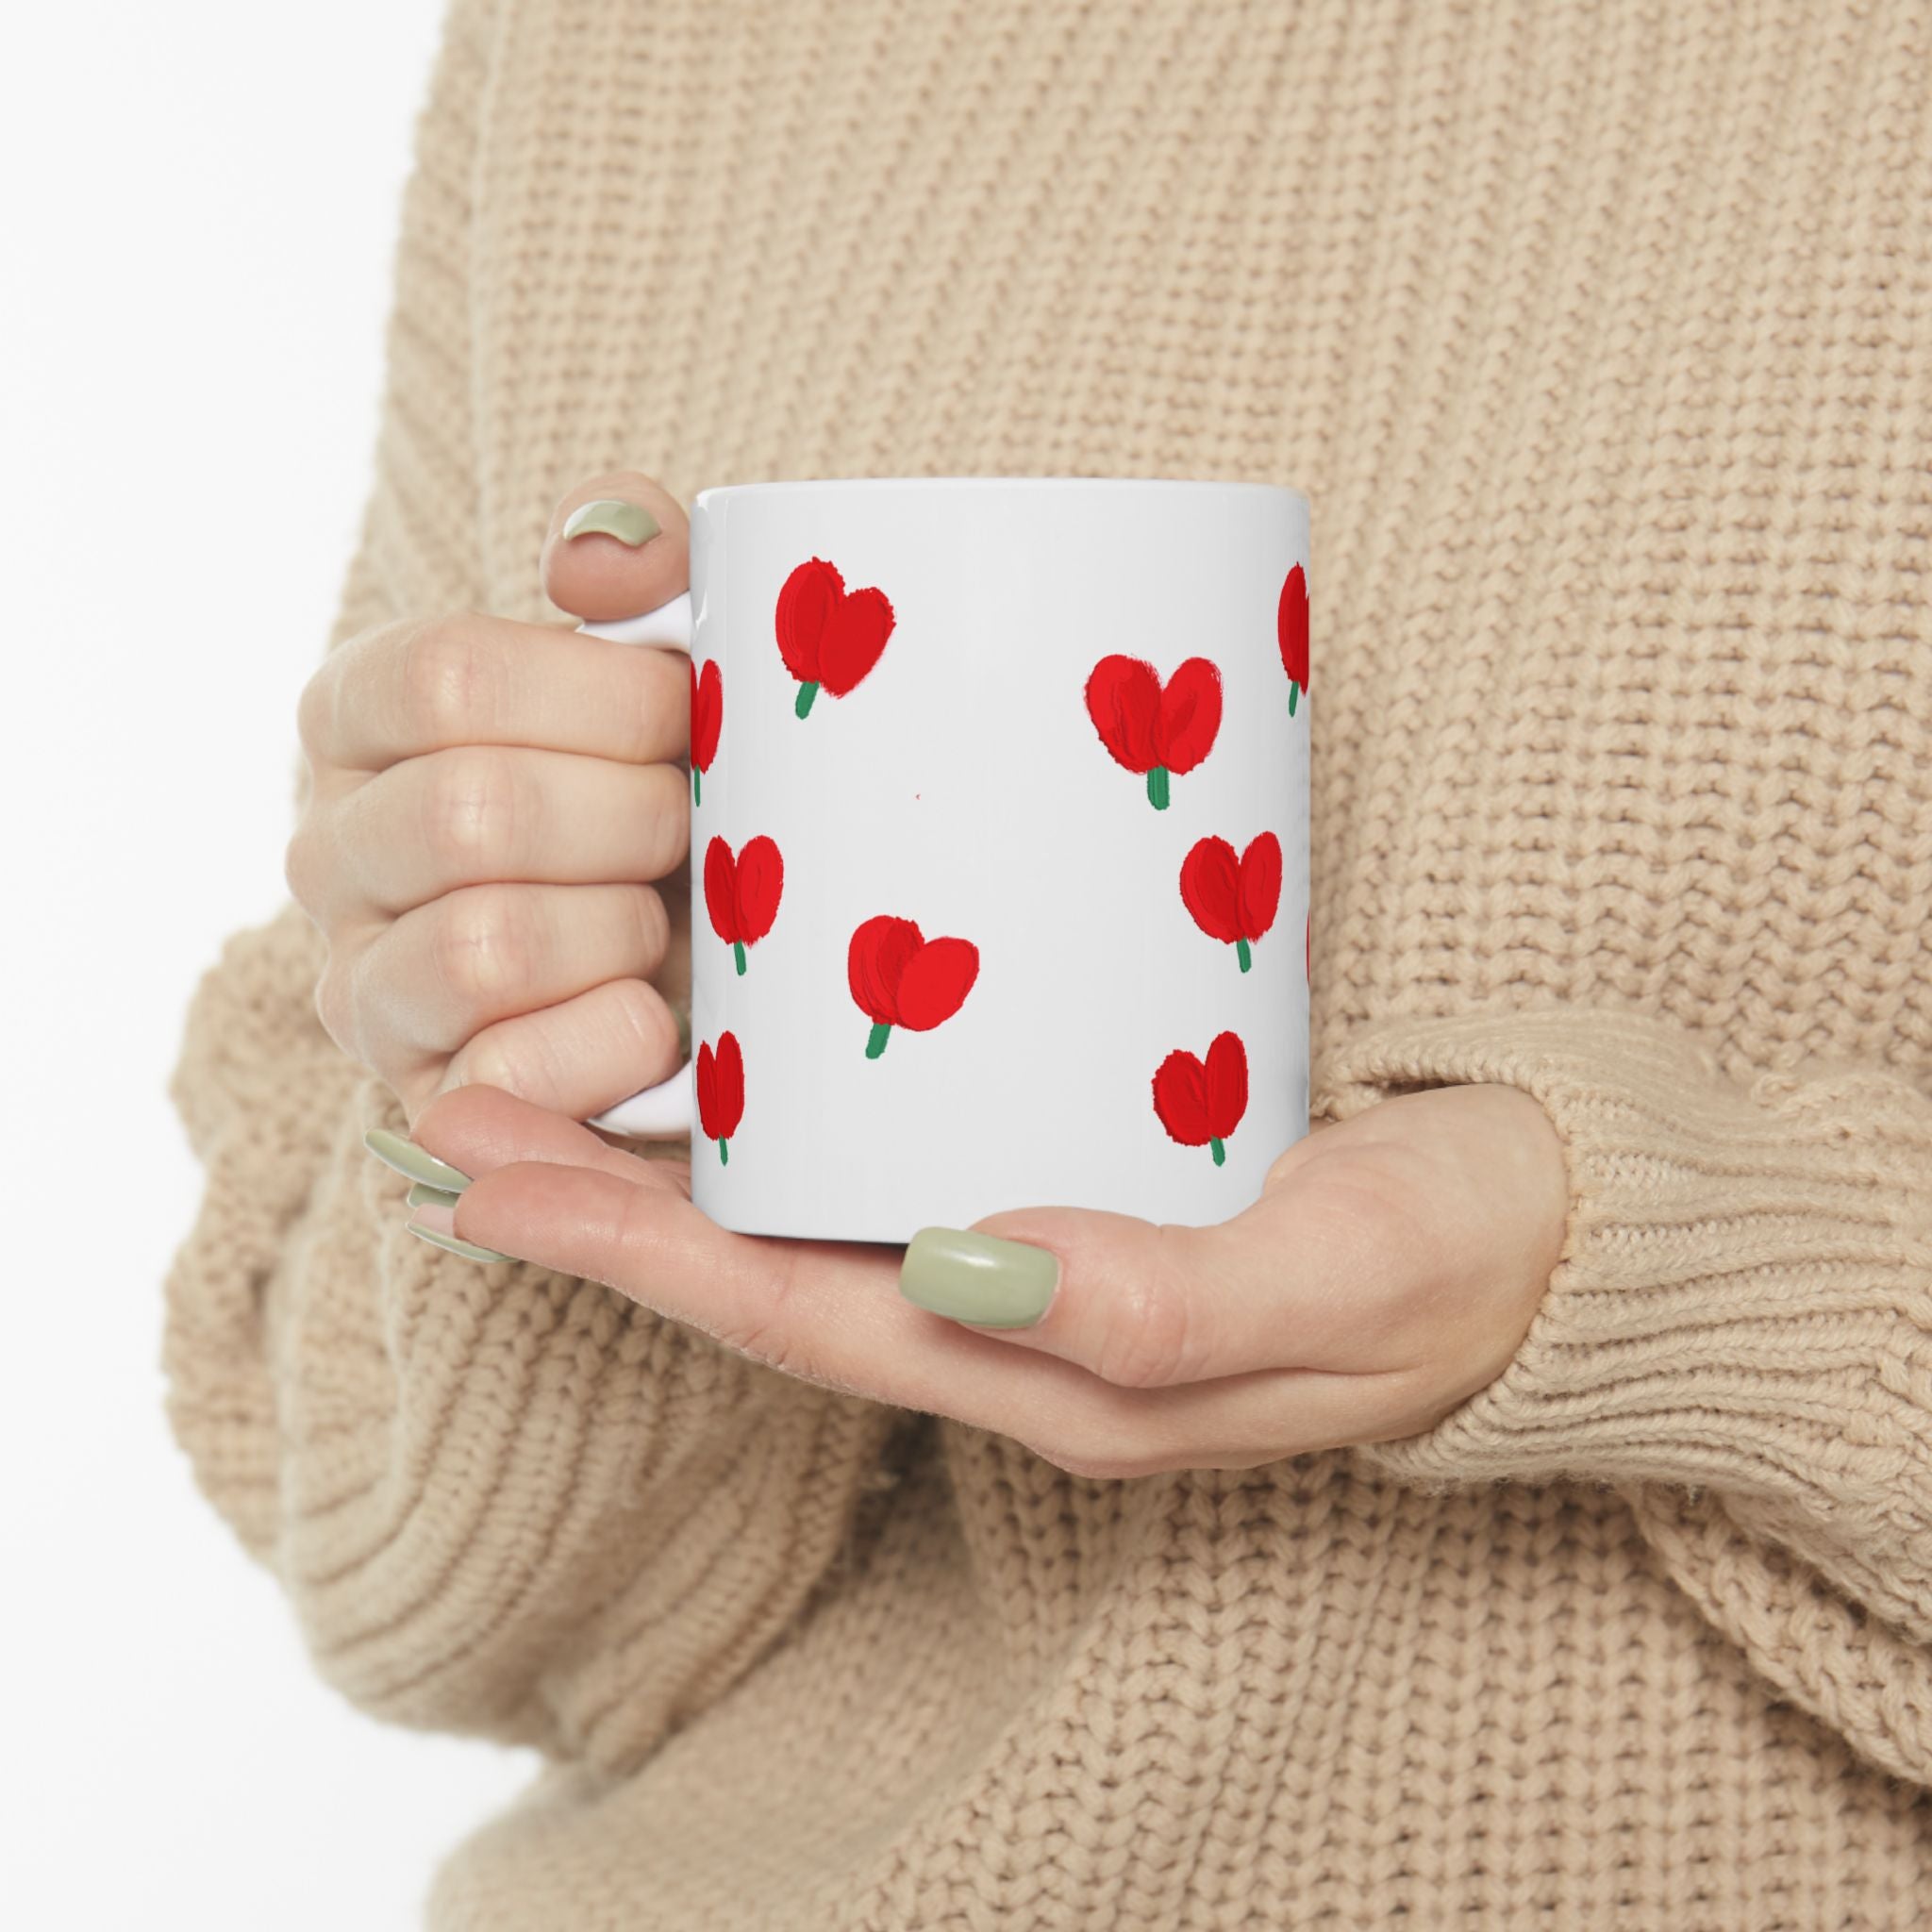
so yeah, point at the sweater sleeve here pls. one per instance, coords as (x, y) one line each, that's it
(1737, 1336)
(502, 1501)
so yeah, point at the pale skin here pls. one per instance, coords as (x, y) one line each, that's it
(495, 841)
(494, 851)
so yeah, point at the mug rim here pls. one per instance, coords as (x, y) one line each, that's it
(1223, 485)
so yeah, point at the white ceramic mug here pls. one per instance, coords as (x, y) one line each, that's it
(999, 850)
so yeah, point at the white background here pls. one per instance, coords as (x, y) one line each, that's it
(196, 224)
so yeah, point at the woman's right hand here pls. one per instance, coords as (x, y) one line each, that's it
(490, 804)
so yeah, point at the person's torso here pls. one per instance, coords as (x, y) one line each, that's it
(1590, 332)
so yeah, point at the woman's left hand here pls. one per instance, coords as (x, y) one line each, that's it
(1389, 1270)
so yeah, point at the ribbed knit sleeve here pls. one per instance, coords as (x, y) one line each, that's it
(1738, 1334)
(501, 1500)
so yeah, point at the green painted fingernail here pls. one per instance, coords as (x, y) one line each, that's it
(422, 1195)
(610, 516)
(468, 1250)
(978, 1277)
(683, 1019)
(411, 1161)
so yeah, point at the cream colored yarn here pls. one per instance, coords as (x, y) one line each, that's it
(1602, 338)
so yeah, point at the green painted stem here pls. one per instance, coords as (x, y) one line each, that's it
(807, 692)
(1156, 787)
(1294, 690)
(738, 952)
(696, 789)
(724, 1153)
(1220, 1151)
(1241, 953)
(876, 1044)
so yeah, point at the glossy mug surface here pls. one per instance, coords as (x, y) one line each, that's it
(999, 850)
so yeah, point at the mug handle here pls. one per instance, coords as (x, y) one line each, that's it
(669, 1108)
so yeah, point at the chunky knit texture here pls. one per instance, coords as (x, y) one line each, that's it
(1599, 336)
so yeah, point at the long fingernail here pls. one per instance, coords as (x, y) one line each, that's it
(409, 1159)
(433, 1218)
(422, 1195)
(978, 1277)
(610, 516)
(683, 1019)
(452, 1244)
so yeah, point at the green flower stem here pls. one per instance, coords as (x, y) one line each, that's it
(696, 789)
(1220, 1151)
(1156, 787)
(807, 692)
(1294, 690)
(724, 1153)
(876, 1044)
(738, 952)
(1241, 953)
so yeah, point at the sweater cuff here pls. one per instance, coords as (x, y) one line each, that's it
(1738, 1257)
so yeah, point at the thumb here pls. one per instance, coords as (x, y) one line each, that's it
(1141, 1305)
(617, 547)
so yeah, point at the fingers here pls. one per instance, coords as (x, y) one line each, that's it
(831, 1314)
(480, 1130)
(483, 813)
(1285, 1285)
(631, 550)
(1387, 1273)
(827, 1313)
(440, 974)
(1416, 1237)
(407, 688)
(580, 1056)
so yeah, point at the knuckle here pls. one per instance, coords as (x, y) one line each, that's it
(767, 1335)
(641, 730)
(445, 679)
(483, 947)
(1149, 1339)
(652, 926)
(335, 1005)
(471, 812)
(515, 1059)
(302, 868)
(650, 1027)
(670, 821)
(315, 709)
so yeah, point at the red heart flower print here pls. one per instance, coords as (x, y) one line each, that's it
(742, 895)
(828, 635)
(901, 978)
(1201, 1105)
(1153, 728)
(707, 717)
(1291, 628)
(721, 1091)
(1233, 900)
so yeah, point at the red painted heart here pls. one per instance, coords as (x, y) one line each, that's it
(828, 635)
(901, 978)
(741, 893)
(707, 717)
(1291, 629)
(1153, 728)
(1233, 900)
(721, 1091)
(1200, 1105)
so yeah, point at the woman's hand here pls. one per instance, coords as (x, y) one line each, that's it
(489, 802)
(1389, 1271)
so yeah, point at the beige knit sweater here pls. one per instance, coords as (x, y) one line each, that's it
(1600, 336)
